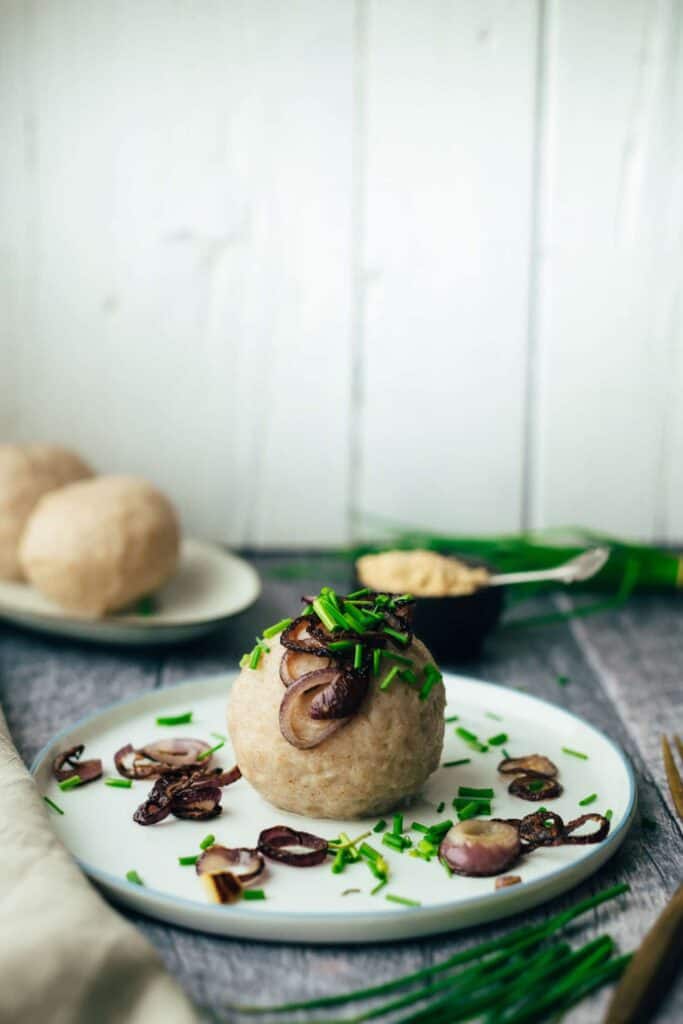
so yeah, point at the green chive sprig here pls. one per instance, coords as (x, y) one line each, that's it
(133, 876)
(206, 754)
(183, 719)
(253, 894)
(189, 860)
(71, 783)
(207, 841)
(456, 764)
(590, 799)
(119, 783)
(575, 753)
(53, 805)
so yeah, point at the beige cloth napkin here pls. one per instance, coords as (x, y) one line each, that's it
(65, 956)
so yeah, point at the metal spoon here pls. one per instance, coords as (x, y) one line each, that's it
(577, 569)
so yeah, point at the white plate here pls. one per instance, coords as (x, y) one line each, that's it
(306, 904)
(209, 586)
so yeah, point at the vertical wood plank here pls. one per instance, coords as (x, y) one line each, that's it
(191, 288)
(449, 132)
(607, 285)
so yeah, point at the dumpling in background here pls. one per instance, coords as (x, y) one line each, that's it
(27, 472)
(95, 546)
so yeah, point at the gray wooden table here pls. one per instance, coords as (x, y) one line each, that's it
(625, 671)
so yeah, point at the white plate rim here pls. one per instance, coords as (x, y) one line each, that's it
(144, 624)
(152, 899)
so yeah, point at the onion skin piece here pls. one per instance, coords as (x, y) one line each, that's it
(505, 881)
(480, 848)
(276, 842)
(311, 733)
(530, 764)
(245, 864)
(544, 788)
(222, 887)
(67, 764)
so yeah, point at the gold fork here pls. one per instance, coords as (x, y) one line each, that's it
(656, 961)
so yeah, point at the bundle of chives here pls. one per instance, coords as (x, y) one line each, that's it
(518, 978)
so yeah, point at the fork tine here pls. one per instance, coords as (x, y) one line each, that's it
(673, 776)
(679, 745)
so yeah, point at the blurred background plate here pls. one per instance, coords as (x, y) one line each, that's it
(209, 586)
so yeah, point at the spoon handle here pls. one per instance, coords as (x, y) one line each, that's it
(559, 573)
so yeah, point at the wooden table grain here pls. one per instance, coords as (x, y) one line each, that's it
(625, 670)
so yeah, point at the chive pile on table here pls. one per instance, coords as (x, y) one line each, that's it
(526, 975)
(363, 614)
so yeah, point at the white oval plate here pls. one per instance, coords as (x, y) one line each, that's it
(306, 904)
(209, 586)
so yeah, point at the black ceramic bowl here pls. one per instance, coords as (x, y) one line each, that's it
(454, 628)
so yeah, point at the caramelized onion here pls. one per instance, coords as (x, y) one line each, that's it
(244, 864)
(68, 764)
(299, 849)
(295, 664)
(299, 637)
(342, 697)
(543, 828)
(592, 837)
(160, 757)
(222, 886)
(198, 803)
(478, 848)
(296, 724)
(531, 764)
(535, 787)
(186, 793)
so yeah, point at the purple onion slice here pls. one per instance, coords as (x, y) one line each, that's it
(299, 849)
(596, 836)
(68, 764)
(244, 864)
(341, 697)
(133, 765)
(531, 764)
(480, 848)
(299, 637)
(198, 804)
(535, 787)
(222, 886)
(157, 806)
(177, 752)
(296, 724)
(543, 828)
(295, 664)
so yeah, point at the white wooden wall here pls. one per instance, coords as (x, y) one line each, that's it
(304, 262)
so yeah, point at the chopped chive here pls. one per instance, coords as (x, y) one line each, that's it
(470, 810)
(562, 680)
(340, 645)
(277, 628)
(609, 813)
(465, 734)
(119, 783)
(146, 605)
(427, 688)
(440, 829)
(588, 800)
(253, 894)
(402, 900)
(432, 672)
(347, 892)
(219, 736)
(492, 714)
(452, 718)
(71, 783)
(535, 785)
(439, 809)
(417, 826)
(190, 859)
(339, 862)
(323, 611)
(358, 593)
(505, 753)
(389, 678)
(255, 657)
(183, 719)
(358, 656)
(401, 638)
(401, 599)
(487, 794)
(574, 753)
(307, 609)
(456, 764)
(379, 886)
(244, 660)
(376, 661)
(133, 876)
(397, 824)
(498, 740)
(53, 805)
(207, 841)
(380, 826)
(464, 801)
(408, 675)
(394, 842)
(212, 750)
